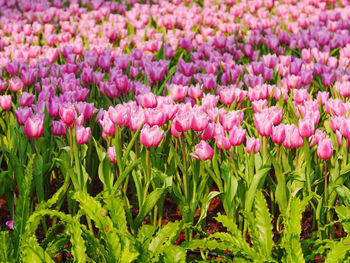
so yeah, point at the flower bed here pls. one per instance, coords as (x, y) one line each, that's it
(182, 103)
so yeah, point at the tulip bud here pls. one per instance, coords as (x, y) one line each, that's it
(5, 102)
(203, 151)
(34, 126)
(325, 149)
(151, 136)
(112, 155)
(82, 134)
(252, 142)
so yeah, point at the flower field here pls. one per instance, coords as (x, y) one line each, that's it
(232, 114)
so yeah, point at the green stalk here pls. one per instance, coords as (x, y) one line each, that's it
(185, 167)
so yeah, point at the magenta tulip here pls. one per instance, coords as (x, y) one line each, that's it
(5, 102)
(253, 143)
(112, 155)
(82, 134)
(58, 128)
(325, 149)
(26, 99)
(151, 136)
(237, 135)
(203, 151)
(68, 114)
(22, 114)
(34, 126)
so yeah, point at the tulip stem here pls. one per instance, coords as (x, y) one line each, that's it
(325, 181)
(148, 165)
(185, 167)
(70, 144)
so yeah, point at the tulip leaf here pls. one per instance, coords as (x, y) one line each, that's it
(257, 180)
(150, 201)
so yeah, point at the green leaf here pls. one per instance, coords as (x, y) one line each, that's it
(165, 237)
(257, 180)
(149, 203)
(95, 212)
(175, 254)
(6, 248)
(205, 206)
(263, 226)
(343, 213)
(23, 204)
(339, 251)
(291, 234)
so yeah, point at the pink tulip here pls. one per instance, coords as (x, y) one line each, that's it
(278, 134)
(58, 128)
(15, 84)
(112, 155)
(68, 114)
(34, 126)
(5, 102)
(82, 134)
(120, 114)
(222, 142)
(230, 119)
(325, 149)
(3, 85)
(195, 91)
(237, 135)
(339, 138)
(318, 136)
(9, 224)
(147, 100)
(178, 92)
(183, 121)
(108, 126)
(306, 127)
(155, 117)
(151, 136)
(203, 151)
(136, 120)
(253, 143)
(26, 99)
(200, 121)
(22, 114)
(263, 124)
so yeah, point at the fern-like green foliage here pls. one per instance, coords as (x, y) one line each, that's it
(23, 204)
(30, 244)
(6, 247)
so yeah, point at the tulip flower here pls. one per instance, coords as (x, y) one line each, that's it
(108, 126)
(151, 136)
(325, 149)
(22, 114)
(278, 134)
(82, 134)
(112, 154)
(183, 121)
(253, 143)
(200, 121)
(203, 151)
(5, 102)
(26, 99)
(306, 127)
(237, 135)
(68, 114)
(147, 100)
(58, 128)
(222, 142)
(15, 84)
(34, 126)
(155, 117)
